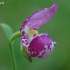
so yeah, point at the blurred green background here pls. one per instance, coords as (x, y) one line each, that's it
(14, 13)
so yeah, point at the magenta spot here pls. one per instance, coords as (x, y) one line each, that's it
(22, 25)
(26, 43)
(20, 29)
(50, 48)
(23, 33)
(25, 40)
(24, 37)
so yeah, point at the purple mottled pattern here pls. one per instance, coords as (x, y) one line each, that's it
(40, 17)
(24, 39)
(40, 45)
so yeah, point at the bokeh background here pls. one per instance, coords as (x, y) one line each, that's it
(14, 13)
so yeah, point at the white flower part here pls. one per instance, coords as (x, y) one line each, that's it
(52, 46)
(41, 52)
(30, 39)
(28, 35)
(26, 29)
(48, 51)
(54, 43)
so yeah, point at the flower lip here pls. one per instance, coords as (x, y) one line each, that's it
(41, 46)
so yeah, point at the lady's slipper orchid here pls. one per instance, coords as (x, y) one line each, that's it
(38, 45)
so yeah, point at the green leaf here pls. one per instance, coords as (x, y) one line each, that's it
(14, 36)
(7, 29)
(25, 53)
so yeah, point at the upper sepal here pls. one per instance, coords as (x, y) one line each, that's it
(40, 17)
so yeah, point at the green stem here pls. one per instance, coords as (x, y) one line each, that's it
(14, 36)
(13, 57)
(11, 40)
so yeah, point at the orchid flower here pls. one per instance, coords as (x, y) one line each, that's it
(38, 45)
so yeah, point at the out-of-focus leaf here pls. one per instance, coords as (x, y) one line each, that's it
(25, 53)
(7, 29)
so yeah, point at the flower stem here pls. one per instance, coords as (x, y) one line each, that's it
(13, 57)
(11, 40)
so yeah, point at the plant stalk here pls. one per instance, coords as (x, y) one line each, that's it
(13, 57)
